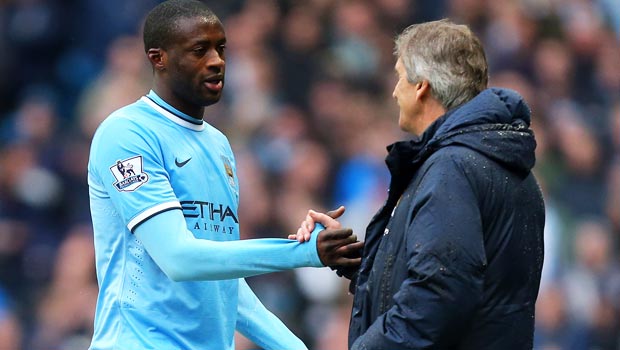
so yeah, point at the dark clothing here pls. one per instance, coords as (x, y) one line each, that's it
(453, 259)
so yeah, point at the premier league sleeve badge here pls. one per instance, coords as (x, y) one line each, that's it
(129, 174)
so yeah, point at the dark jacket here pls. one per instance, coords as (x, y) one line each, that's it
(453, 259)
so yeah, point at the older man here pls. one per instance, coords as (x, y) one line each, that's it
(453, 259)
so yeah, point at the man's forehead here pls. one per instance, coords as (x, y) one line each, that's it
(199, 20)
(199, 25)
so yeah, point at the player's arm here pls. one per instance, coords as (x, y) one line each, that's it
(445, 260)
(183, 257)
(261, 326)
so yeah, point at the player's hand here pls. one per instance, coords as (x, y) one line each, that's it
(327, 220)
(339, 247)
(350, 272)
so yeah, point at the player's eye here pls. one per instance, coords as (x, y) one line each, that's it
(199, 51)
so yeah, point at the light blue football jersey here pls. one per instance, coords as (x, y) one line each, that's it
(147, 158)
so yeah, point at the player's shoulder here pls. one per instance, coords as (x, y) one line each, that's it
(215, 133)
(128, 119)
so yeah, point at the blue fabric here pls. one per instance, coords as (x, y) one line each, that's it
(172, 180)
(5, 304)
(261, 326)
(182, 257)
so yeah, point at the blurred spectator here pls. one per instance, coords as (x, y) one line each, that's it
(251, 80)
(592, 284)
(354, 46)
(613, 195)
(335, 331)
(123, 80)
(10, 328)
(583, 161)
(301, 43)
(34, 33)
(611, 13)
(555, 329)
(65, 314)
(510, 35)
(553, 67)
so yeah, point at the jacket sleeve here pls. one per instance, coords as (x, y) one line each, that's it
(260, 325)
(445, 260)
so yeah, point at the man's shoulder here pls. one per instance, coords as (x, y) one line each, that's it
(130, 127)
(136, 113)
(457, 154)
(133, 117)
(458, 160)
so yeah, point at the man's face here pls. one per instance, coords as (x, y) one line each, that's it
(405, 95)
(196, 61)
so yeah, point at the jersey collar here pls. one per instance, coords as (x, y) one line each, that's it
(176, 116)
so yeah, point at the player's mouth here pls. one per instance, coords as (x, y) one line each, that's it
(214, 83)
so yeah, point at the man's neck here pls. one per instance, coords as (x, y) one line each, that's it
(433, 110)
(191, 110)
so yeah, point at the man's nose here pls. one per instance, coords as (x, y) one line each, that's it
(215, 60)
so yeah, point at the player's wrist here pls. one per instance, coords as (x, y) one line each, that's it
(313, 244)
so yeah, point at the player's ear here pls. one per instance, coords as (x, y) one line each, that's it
(158, 58)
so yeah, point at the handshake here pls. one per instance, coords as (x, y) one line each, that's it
(338, 247)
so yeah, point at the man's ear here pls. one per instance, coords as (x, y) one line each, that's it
(423, 89)
(158, 58)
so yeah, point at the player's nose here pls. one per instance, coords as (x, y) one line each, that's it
(215, 60)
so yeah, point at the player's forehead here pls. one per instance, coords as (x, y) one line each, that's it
(199, 28)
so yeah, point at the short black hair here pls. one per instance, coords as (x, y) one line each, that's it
(161, 22)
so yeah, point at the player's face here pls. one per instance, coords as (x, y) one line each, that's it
(405, 95)
(196, 62)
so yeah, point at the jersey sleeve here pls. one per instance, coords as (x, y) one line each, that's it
(126, 162)
(260, 325)
(182, 257)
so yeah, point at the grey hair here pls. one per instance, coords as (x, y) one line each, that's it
(449, 56)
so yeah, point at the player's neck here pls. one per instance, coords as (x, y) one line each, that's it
(192, 110)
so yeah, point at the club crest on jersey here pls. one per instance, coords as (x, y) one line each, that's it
(128, 173)
(229, 171)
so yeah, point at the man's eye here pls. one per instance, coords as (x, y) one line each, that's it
(199, 50)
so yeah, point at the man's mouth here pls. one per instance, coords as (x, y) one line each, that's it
(214, 84)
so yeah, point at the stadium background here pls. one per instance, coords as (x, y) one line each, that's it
(308, 110)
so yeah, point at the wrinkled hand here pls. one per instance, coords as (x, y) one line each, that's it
(339, 247)
(328, 220)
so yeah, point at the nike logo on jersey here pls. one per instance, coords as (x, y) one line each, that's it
(181, 164)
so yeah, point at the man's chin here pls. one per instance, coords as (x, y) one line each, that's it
(402, 125)
(210, 100)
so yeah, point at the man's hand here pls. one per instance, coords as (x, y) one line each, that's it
(327, 220)
(339, 247)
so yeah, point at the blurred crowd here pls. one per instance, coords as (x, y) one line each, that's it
(308, 110)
